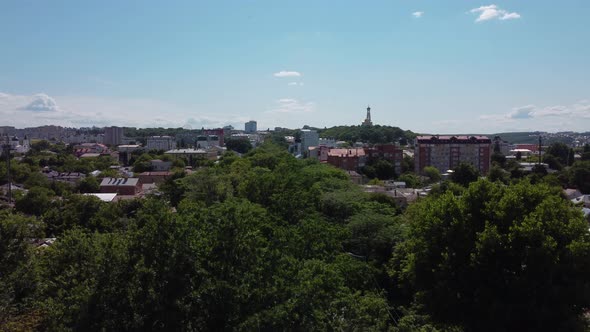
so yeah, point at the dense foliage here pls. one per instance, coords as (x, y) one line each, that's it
(269, 242)
(373, 134)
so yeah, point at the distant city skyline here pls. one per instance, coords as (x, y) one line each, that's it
(426, 66)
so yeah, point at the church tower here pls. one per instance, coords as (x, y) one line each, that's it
(368, 121)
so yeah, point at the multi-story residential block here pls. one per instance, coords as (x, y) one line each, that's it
(219, 132)
(309, 138)
(347, 159)
(125, 152)
(160, 143)
(7, 130)
(447, 152)
(502, 146)
(390, 152)
(113, 135)
(250, 127)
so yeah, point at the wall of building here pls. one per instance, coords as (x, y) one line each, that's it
(445, 153)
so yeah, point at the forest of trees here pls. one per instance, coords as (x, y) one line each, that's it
(269, 242)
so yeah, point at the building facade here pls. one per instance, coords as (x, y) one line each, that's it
(347, 159)
(160, 143)
(121, 186)
(250, 127)
(390, 152)
(447, 152)
(309, 138)
(113, 135)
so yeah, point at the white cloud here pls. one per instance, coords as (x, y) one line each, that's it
(493, 12)
(510, 16)
(295, 84)
(290, 105)
(80, 111)
(417, 14)
(41, 103)
(523, 112)
(579, 110)
(286, 73)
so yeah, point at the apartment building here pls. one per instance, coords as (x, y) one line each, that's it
(347, 159)
(250, 127)
(113, 135)
(390, 152)
(447, 152)
(160, 143)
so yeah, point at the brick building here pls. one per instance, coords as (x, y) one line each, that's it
(390, 152)
(154, 177)
(447, 152)
(121, 186)
(347, 159)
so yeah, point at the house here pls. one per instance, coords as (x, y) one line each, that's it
(108, 197)
(154, 177)
(355, 177)
(121, 186)
(401, 196)
(159, 165)
(84, 148)
(583, 200)
(572, 193)
(71, 177)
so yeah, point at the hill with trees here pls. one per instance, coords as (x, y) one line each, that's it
(368, 134)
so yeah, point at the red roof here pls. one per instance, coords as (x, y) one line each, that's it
(359, 152)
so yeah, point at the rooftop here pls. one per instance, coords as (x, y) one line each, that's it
(186, 151)
(346, 152)
(453, 138)
(119, 182)
(103, 197)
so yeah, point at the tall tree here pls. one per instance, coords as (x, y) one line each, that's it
(498, 258)
(464, 174)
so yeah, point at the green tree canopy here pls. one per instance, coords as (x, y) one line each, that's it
(497, 258)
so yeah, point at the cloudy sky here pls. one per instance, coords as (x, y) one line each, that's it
(428, 66)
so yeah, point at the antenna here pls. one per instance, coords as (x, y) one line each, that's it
(6, 147)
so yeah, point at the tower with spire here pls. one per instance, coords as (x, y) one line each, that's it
(368, 121)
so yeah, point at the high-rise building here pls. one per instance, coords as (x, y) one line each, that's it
(309, 138)
(368, 121)
(113, 135)
(447, 152)
(250, 127)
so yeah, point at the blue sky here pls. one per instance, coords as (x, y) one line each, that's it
(428, 66)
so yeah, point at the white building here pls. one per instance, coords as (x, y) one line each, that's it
(17, 145)
(208, 141)
(329, 142)
(160, 143)
(250, 127)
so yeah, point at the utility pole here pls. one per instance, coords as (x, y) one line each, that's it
(540, 148)
(6, 152)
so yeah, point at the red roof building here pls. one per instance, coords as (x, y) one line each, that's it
(347, 159)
